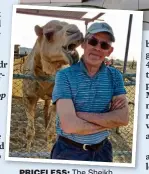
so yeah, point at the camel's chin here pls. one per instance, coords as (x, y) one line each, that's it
(51, 68)
(71, 56)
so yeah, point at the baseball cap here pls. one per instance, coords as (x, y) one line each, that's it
(99, 27)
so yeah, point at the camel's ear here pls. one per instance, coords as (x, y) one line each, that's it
(38, 30)
(49, 34)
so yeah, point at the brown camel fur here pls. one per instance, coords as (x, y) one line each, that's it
(53, 50)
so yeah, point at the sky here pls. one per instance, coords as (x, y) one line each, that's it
(24, 35)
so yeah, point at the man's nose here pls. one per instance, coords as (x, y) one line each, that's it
(98, 47)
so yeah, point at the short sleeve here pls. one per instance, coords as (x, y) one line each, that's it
(118, 83)
(61, 88)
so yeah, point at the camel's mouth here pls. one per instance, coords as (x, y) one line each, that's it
(69, 48)
(71, 53)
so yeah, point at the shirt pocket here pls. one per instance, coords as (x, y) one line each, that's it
(81, 100)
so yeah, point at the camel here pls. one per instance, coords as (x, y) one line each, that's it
(55, 48)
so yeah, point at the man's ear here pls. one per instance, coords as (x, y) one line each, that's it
(110, 51)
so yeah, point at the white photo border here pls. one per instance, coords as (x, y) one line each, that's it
(7, 158)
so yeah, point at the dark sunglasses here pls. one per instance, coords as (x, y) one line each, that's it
(103, 44)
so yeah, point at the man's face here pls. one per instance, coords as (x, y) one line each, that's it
(96, 48)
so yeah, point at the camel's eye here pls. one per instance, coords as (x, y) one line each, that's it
(49, 35)
(58, 28)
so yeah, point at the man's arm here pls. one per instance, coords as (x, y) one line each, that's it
(69, 121)
(117, 116)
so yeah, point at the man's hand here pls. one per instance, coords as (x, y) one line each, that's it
(117, 116)
(118, 103)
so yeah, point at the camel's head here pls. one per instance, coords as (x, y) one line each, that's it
(57, 42)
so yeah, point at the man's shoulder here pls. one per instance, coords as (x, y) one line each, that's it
(114, 71)
(115, 74)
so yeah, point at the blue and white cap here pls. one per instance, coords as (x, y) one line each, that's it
(99, 27)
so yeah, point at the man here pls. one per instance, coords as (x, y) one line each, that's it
(90, 100)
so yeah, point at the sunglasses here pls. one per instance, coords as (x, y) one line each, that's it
(103, 44)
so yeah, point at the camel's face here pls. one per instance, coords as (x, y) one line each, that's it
(57, 43)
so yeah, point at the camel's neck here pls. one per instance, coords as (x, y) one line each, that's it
(43, 65)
